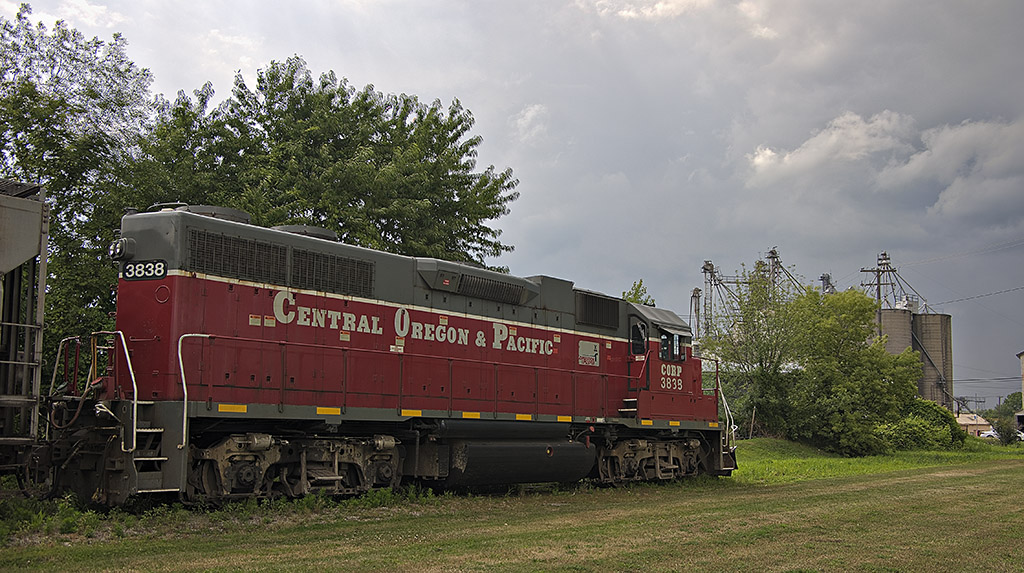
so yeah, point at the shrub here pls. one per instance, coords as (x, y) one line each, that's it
(915, 433)
(938, 417)
(1006, 427)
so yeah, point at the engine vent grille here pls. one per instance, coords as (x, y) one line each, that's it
(331, 273)
(597, 310)
(237, 257)
(490, 289)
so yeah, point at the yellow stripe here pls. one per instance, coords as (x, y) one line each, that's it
(565, 418)
(473, 415)
(412, 412)
(647, 422)
(524, 417)
(327, 411)
(712, 424)
(673, 423)
(236, 408)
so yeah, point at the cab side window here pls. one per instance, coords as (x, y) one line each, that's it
(638, 337)
(673, 347)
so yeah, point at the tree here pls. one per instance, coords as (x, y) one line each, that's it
(384, 171)
(1007, 408)
(70, 111)
(1004, 418)
(637, 294)
(806, 366)
(757, 348)
(848, 384)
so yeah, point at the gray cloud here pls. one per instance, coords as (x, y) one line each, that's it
(651, 135)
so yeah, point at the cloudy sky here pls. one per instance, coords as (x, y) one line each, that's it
(649, 136)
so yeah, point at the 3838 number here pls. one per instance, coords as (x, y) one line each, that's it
(144, 270)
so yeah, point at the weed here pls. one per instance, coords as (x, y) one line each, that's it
(375, 498)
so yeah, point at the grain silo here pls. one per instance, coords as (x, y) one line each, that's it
(897, 327)
(933, 338)
(929, 334)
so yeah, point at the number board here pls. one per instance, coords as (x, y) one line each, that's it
(144, 270)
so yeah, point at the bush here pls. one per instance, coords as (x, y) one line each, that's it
(1006, 427)
(915, 433)
(938, 417)
(924, 426)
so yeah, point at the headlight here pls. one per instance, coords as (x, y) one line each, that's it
(122, 249)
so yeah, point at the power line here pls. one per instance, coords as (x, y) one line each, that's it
(979, 380)
(981, 250)
(979, 296)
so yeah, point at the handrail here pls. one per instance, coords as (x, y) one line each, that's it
(135, 388)
(184, 388)
(53, 378)
(730, 433)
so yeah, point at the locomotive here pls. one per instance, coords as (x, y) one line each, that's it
(258, 362)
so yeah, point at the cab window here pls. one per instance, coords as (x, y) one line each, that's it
(672, 347)
(638, 337)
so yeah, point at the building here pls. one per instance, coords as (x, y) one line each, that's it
(973, 424)
(930, 335)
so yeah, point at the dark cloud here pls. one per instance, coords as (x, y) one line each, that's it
(651, 135)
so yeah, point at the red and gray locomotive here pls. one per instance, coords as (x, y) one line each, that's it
(249, 361)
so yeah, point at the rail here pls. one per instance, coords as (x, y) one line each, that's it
(56, 367)
(729, 436)
(135, 386)
(730, 433)
(184, 388)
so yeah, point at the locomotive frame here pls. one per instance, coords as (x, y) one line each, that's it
(256, 362)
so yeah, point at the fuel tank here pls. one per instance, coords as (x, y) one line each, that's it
(518, 461)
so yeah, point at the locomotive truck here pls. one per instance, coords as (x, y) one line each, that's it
(257, 362)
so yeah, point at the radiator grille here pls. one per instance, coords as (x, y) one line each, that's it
(265, 262)
(237, 257)
(332, 273)
(490, 289)
(597, 310)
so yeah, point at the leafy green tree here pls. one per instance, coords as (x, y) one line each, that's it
(1006, 428)
(848, 383)
(384, 171)
(70, 111)
(1007, 408)
(757, 347)
(1004, 418)
(637, 294)
(806, 366)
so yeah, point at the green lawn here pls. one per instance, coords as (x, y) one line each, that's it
(788, 508)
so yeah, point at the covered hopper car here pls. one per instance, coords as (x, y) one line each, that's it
(256, 362)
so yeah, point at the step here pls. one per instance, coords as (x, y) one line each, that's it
(151, 459)
(323, 474)
(628, 400)
(328, 478)
(627, 411)
(149, 430)
(150, 481)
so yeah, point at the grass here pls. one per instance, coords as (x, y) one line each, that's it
(768, 461)
(787, 508)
